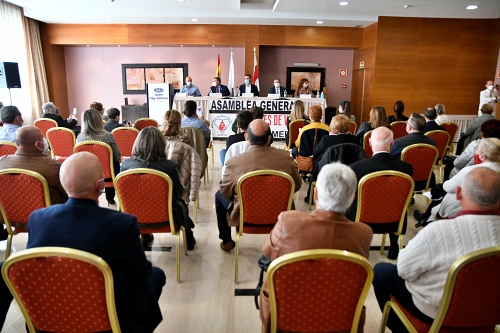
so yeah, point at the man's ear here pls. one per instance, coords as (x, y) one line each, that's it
(458, 193)
(316, 194)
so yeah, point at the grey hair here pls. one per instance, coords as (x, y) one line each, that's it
(482, 185)
(336, 186)
(47, 107)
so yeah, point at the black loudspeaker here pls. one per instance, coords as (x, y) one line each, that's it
(329, 114)
(9, 75)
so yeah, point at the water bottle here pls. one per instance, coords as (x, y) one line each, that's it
(284, 93)
(322, 95)
(318, 96)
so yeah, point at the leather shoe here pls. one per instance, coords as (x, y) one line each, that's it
(227, 246)
(417, 215)
(190, 240)
(393, 253)
(421, 223)
(147, 239)
(111, 202)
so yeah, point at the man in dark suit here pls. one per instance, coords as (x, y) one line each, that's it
(277, 89)
(51, 111)
(248, 87)
(219, 88)
(114, 236)
(430, 118)
(415, 129)
(381, 142)
(114, 118)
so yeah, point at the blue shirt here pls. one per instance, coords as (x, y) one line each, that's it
(198, 123)
(8, 132)
(191, 91)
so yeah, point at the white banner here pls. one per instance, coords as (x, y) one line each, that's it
(158, 100)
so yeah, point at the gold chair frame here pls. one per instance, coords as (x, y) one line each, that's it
(143, 119)
(422, 145)
(355, 127)
(94, 142)
(366, 142)
(453, 272)
(318, 254)
(239, 232)
(405, 207)
(46, 195)
(441, 154)
(70, 254)
(42, 120)
(59, 129)
(170, 212)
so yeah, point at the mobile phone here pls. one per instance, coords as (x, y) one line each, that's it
(198, 111)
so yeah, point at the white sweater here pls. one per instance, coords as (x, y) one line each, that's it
(425, 262)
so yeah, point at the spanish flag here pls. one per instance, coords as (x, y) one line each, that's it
(217, 71)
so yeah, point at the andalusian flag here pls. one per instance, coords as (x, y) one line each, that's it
(217, 71)
(255, 70)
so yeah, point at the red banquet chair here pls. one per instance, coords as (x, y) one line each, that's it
(145, 122)
(44, 124)
(352, 127)
(63, 304)
(7, 148)
(366, 144)
(470, 298)
(294, 130)
(125, 139)
(442, 139)
(422, 158)
(62, 142)
(338, 280)
(23, 192)
(262, 196)
(452, 129)
(398, 129)
(147, 194)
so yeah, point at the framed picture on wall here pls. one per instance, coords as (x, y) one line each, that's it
(135, 77)
(315, 76)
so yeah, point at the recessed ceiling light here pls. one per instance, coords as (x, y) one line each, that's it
(180, 0)
(182, 45)
(150, 45)
(194, 20)
(343, 3)
(319, 22)
(119, 45)
(108, 19)
(472, 7)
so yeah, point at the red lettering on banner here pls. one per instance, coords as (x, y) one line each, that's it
(268, 118)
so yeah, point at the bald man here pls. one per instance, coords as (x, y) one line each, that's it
(30, 156)
(381, 142)
(259, 156)
(189, 89)
(114, 236)
(419, 278)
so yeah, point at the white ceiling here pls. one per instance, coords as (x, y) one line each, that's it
(266, 12)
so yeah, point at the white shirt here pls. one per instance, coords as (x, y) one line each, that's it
(235, 149)
(487, 96)
(442, 118)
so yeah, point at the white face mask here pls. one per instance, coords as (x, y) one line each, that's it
(341, 110)
(247, 81)
(306, 85)
(189, 83)
(214, 84)
(490, 87)
(276, 84)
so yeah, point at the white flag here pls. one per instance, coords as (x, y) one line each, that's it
(230, 80)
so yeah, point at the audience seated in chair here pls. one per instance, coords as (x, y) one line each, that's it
(113, 120)
(398, 108)
(259, 156)
(378, 118)
(171, 128)
(473, 132)
(311, 134)
(381, 142)
(324, 228)
(243, 120)
(12, 120)
(418, 280)
(191, 120)
(50, 111)
(430, 121)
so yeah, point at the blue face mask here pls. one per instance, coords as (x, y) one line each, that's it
(247, 81)
(189, 83)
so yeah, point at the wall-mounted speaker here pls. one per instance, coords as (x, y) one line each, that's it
(9, 75)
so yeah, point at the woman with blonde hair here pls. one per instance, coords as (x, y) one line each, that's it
(172, 128)
(441, 118)
(339, 134)
(297, 113)
(93, 129)
(378, 118)
(149, 152)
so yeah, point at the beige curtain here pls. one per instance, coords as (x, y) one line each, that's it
(39, 90)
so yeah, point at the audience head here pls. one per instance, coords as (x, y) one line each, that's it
(259, 133)
(415, 123)
(487, 108)
(303, 84)
(97, 106)
(257, 112)
(315, 113)
(172, 123)
(49, 107)
(381, 139)
(399, 107)
(491, 128)
(297, 110)
(378, 117)
(113, 113)
(335, 188)
(480, 190)
(190, 109)
(11, 115)
(340, 124)
(30, 138)
(488, 150)
(243, 119)
(430, 113)
(92, 123)
(345, 108)
(149, 145)
(439, 109)
(81, 176)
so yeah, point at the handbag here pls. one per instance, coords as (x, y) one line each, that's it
(306, 163)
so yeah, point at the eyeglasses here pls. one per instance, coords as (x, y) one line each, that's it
(407, 123)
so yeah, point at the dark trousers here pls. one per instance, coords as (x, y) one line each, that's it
(221, 210)
(387, 282)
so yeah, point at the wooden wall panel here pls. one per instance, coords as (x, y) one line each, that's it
(81, 34)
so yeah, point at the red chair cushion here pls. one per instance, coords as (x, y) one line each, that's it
(62, 143)
(422, 160)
